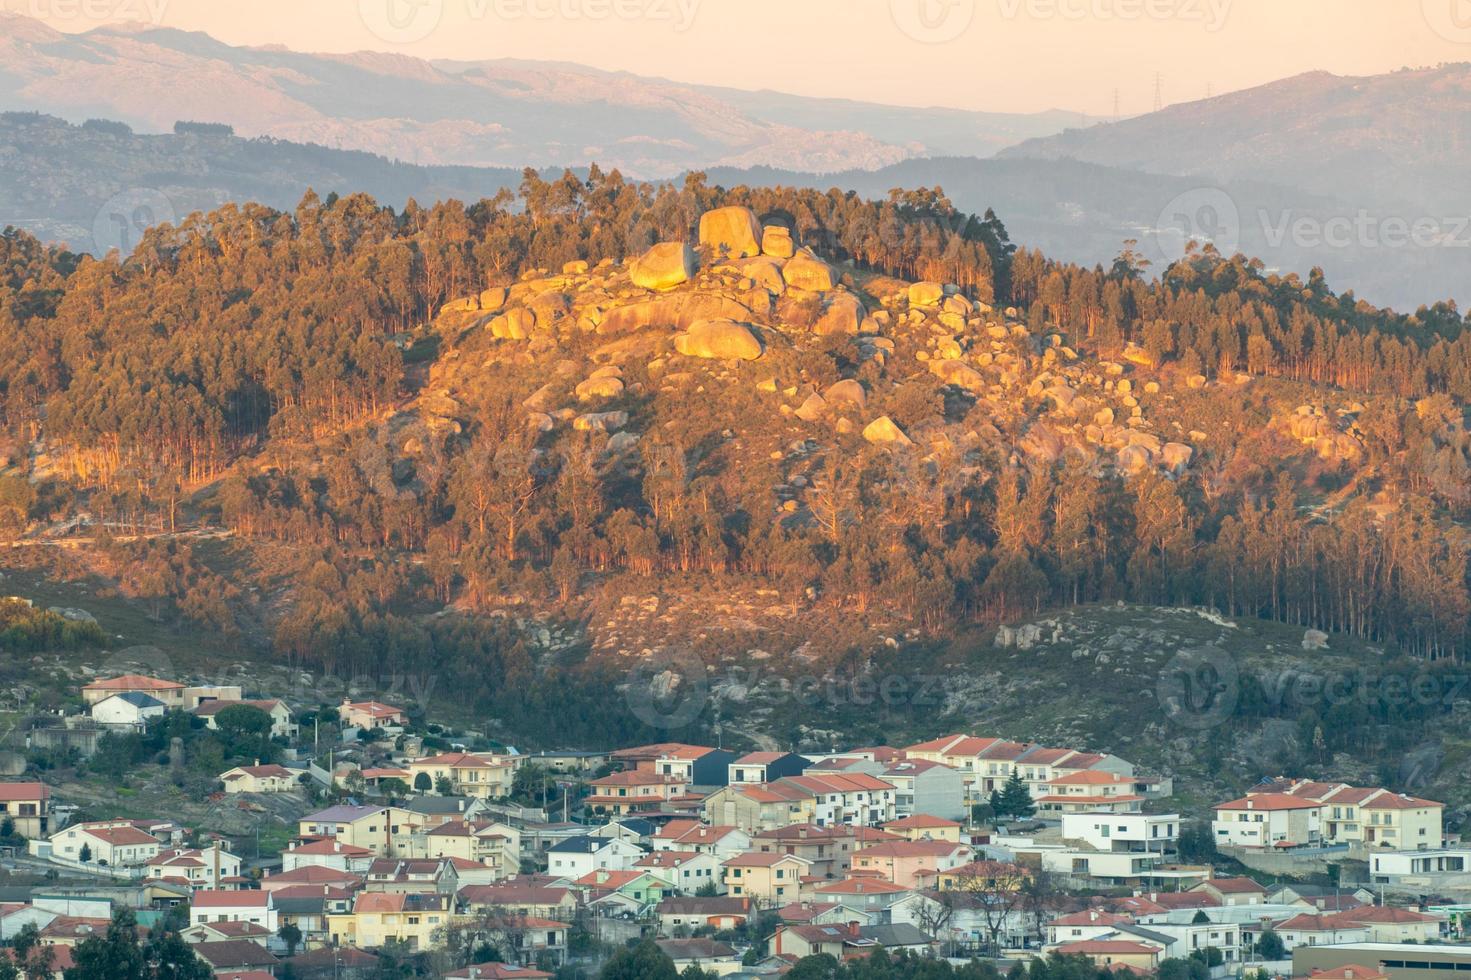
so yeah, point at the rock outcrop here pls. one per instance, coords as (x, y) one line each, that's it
(806, 271)
(731, 232)
(926, 294)
(849, 394)
(724, 340)
(676, 311)
(844, 314)
(776, 241)
(958, 373)
(665, 266)
(882, 431)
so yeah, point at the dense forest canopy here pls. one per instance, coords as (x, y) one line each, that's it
(251, 353)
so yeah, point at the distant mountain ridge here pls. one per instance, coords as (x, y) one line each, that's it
(67, 183)
(502, 112)
(1385, 140)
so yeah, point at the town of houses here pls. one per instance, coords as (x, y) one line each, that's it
(742, 863)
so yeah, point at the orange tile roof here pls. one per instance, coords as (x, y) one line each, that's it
(1270, 801)
(911, 849)
(921, 821)
(860, 886)
(1350, 971)
(1089, 777)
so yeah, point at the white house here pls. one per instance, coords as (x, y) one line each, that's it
(328, 853)
(1268, 820)
(282, 723)
(132, 708)
(926, 787)
(1152, 833)
(108, 843)
(686, 871)
(209, 905)
(193, 866)
(1424, 871)
(578, 856)
(1189, 936)
(1319, 930)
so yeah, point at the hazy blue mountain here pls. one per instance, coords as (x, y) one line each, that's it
(483, 113)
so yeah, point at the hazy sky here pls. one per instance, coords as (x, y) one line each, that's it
(1005, 55)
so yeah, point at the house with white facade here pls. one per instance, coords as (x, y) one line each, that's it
(579, 856)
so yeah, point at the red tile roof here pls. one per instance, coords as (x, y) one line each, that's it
(24, 792)
(860, 886)
(1234, 886)
(210, 898)
(1270, 801)
(921, 821)
(1351, 971)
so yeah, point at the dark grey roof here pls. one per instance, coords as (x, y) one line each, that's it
(307, 905)
(895, 934)
(694, 949)
(703, 905)
(586, 844)
(438, 805)
(1311, 891)
(138, 699)
(641, 827)
(1151, 935)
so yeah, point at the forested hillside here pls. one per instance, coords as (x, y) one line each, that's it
(410, 427)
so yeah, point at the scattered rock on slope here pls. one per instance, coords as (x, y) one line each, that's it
(665, 266)
(806, 271)
(883, 432)
(724, 340)
(733, 232)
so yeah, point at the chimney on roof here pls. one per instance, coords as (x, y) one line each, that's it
(853, 928)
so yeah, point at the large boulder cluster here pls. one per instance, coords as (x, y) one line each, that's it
(744, 289)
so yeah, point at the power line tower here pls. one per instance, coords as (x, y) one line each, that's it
(1115, 105)
(1210, 90)
(1159, 91)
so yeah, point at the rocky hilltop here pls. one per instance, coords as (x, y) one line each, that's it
(829, 358)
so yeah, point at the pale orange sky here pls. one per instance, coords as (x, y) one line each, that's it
(1002, 55)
